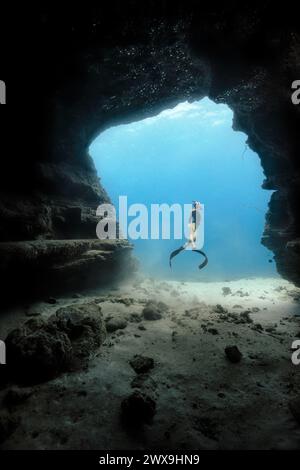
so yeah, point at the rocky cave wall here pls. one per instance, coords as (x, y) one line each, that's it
(106, 66)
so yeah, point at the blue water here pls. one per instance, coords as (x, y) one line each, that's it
(186, 153)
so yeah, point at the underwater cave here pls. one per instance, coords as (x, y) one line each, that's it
(164, 102)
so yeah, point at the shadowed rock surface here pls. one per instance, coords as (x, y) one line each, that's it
(141, 364)
(233, 354)
(114, 324)
(137, 409)
(8, 424)
(154, 310)
(295, 408)
(39, 266)
(42, 349)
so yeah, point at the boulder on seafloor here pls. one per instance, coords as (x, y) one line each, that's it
(141, 364)
(41, 349)
(294, 406)
(16, 396)
(233, 354)
(154, 310)
(114, 324)
(138, 408)
(84, 325)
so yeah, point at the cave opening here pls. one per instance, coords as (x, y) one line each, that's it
(190, 152)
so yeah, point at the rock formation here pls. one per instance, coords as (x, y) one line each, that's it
(41, 349)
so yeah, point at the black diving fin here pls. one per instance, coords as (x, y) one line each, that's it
(182, 248)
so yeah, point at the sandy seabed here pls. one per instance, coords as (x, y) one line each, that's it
(203, 400)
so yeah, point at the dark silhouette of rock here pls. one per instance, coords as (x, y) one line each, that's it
(84, 325)
(32, 313)
(56, 266)
(226, 291)
(152, 313)
(245, 317)
(237, 318)
(141, 364)
(240, 293)
(154, 310)
(135, 317)
(36, 352)
(207, 426)
(144, 381)
(219, 309)
(16, 396)
(114, 324)
(233, 354)
(294, 406)
(257, 327)
(212, 331)
(8, 424)
(40, 349)
(137, 409)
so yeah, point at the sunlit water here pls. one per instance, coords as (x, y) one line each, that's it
(186, 153)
